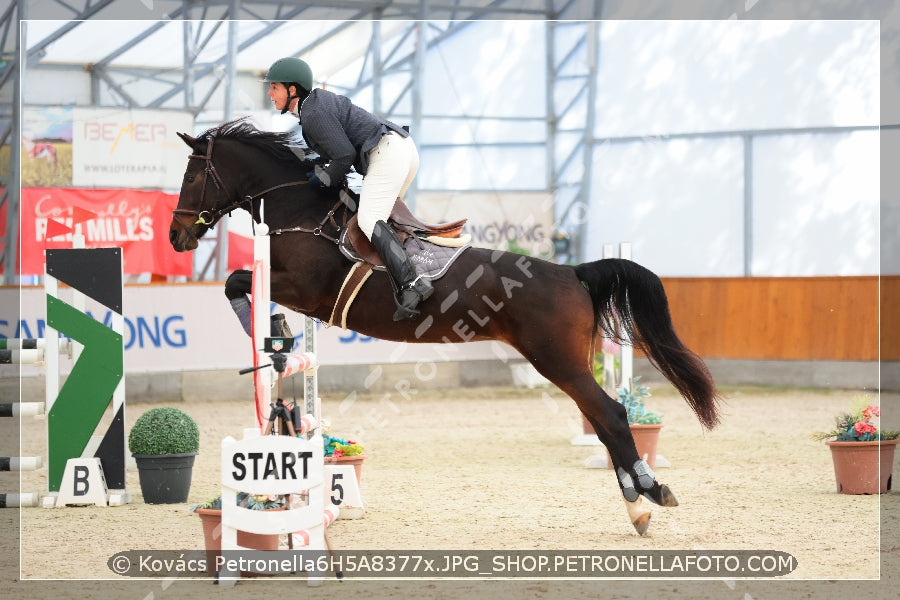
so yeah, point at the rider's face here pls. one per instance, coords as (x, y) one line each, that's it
(278, 94)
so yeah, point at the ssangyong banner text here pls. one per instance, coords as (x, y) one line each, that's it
(191, 327)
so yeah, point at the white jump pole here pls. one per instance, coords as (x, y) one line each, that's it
(260, 322)
(315, 516)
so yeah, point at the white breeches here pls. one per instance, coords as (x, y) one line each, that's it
(392, 165)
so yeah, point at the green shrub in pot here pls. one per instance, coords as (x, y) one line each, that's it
(164, 430)
(164, 442)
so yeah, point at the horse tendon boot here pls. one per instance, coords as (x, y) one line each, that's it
(646, 486)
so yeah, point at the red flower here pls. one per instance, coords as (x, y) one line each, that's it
(871, 411)
(338, 453)
(861, 428)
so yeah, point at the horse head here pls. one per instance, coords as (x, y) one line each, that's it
(233, 166)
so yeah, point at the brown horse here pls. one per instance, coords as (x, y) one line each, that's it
(550, 313)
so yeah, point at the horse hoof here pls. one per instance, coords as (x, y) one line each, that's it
(661, 494)
(639, 515)
(667, 497)
(641, 524)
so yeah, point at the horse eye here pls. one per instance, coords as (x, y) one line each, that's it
(188, 177)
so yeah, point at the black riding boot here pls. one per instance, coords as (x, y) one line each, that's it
(413, 289)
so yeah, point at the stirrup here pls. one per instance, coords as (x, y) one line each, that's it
(422, 292)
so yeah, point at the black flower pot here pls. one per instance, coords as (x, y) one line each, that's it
(165, 478)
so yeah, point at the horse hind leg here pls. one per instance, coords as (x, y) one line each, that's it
(568, 366)
(635, 484)
(637, 480)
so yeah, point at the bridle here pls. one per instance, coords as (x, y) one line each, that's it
(212, 216)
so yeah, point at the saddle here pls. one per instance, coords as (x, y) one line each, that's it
(431, 260)
(405, 224)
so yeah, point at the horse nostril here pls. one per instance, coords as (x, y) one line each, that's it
(173, 235)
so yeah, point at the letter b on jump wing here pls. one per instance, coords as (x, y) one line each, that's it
(83, 483)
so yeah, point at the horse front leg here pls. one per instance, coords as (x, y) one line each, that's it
(237, 290)
(635, 477)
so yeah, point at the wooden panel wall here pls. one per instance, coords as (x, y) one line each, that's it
(786, 318)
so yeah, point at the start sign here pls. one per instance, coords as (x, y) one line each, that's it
(272, 464)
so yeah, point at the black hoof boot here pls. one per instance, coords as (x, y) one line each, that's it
(652, 489)
(280, 327)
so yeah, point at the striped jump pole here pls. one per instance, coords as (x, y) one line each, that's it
(19, 500)
(23, 352)
(33, 344)
(27, 354)
(20, 463)
(21, 409)
(29, 351)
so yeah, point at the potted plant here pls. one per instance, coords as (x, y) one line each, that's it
(344, 452)
(645, 424)
(210, 513)
(164, 443)
(862, 454)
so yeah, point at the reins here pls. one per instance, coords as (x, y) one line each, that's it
(212, 216)
(317, 230)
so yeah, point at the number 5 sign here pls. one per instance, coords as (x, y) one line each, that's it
(342, 490)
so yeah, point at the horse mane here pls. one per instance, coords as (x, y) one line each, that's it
(242, 130)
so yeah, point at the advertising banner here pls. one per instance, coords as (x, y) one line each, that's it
(515, 221)
(46, 146)
(122, 147)
(135, 220)
(105, 147)
(191, 327)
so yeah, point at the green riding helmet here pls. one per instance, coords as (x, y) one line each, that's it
(290, 70)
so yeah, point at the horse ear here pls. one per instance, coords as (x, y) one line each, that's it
(190, 141)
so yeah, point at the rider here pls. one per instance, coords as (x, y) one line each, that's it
(345, 135)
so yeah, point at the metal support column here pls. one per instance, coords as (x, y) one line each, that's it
(417, 79)
(377, 66)
(11, 240)
(187, 36)
(587, 151)
(228, 114)
(570, 149)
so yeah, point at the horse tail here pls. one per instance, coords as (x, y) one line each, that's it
(631, 297)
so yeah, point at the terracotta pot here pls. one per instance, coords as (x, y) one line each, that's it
(356, 461)
(211, 519)
(856, 466)
(646, 438)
